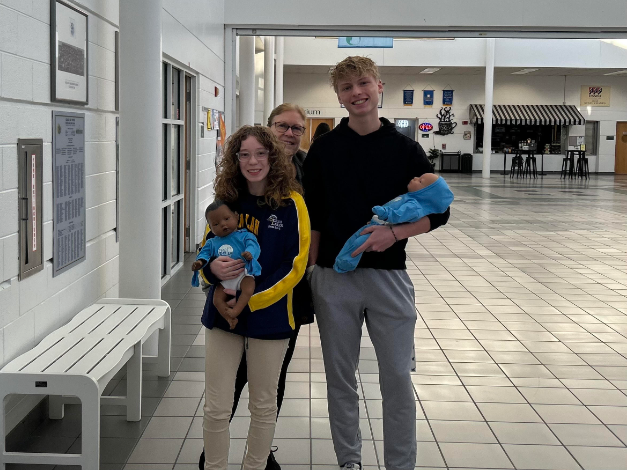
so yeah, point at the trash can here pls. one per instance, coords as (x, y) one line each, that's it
(466, 163)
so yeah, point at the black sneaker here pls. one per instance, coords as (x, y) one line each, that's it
(201, 461)
(351, 466)
(272, 463)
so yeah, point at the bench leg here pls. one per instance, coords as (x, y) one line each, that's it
(90, 438)
(134, 385)
(163, 360)
(2, 431)
(55, 407)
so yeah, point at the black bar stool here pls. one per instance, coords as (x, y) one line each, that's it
(517, 165)
(582, 164)
(568, 164)
(531, 168)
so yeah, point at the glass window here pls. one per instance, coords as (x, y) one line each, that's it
(548, 138)
(164, 80)
(176, 160)
(176, 95)
(164, 246)
(592, 137)
(406, 127)
(165, 161)
(176, 229)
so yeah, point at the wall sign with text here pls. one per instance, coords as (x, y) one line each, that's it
(427, 97)
(408, 97)
(68, 54)
(447, 97)
(361, 42)
(69, 238)
(425, 127)
(595, 96)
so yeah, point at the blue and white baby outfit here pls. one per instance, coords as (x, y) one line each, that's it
(410, 207)
(232, 245)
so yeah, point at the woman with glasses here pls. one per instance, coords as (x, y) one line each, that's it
(255, 175)
(287, 123)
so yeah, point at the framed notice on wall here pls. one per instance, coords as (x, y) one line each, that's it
(68, 191)
(68, 54)
(595, 96)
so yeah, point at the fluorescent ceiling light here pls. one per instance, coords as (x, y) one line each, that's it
(424, 39)
(524, 71)
(430, 70)
(619, 72)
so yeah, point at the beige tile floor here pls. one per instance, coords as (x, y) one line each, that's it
(521, 345)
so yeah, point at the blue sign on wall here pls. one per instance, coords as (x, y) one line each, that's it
(447, 97)
(427, 97)
(408, 97)
(365, 42)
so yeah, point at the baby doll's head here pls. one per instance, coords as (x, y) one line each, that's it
(421, 182)
(221, 218)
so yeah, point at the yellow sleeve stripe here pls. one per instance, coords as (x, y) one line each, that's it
(290, 309)
(204, 240)
(279, 290)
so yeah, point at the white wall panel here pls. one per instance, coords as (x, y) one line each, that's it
(190, 50)
(511, 14)
(17, 78)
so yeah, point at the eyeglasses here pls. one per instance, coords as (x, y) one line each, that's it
(259, 155)
(283, 128)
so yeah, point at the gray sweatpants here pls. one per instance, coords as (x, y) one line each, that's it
(385, 299)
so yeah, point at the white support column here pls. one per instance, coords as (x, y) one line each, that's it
(141, 151)
(247, 80)
(280, 52)
(268, 77)
(489, 99)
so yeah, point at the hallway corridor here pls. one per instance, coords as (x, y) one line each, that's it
(521, 346)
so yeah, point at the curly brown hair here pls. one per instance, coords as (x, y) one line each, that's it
(353, 67)
(281, 180)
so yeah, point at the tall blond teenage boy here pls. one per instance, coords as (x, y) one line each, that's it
(362, 163)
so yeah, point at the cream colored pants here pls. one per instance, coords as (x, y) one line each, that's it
(223, 353)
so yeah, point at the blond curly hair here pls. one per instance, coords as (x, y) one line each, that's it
(230, 183)
(353, 67)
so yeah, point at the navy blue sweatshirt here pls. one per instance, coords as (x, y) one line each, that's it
(284, 236)
(347, 174)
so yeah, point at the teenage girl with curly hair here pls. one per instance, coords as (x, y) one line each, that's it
(257, 177)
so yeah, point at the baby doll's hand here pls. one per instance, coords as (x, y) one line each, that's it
(196, 265)
(247, 256)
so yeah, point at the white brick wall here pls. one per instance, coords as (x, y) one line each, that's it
(33, 307)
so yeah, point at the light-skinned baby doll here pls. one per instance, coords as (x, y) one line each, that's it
(427, 194)
(237, 244)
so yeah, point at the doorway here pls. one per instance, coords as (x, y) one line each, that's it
(311, 125)
(620, 165)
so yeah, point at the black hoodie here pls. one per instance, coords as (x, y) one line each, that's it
(346, 174)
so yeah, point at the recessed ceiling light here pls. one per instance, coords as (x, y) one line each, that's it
(619, 72)
(524, 71)
(430, 70)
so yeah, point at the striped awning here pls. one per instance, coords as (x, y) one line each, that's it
(541, 114)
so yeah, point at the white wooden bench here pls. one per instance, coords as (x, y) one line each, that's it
(78, 360)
